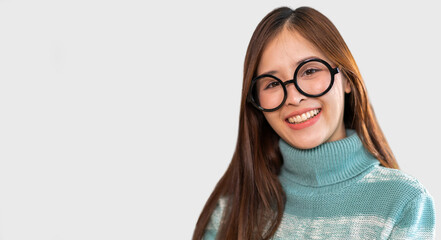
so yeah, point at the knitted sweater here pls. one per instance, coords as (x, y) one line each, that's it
(338, 190)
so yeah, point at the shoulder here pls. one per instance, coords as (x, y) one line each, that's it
(393, 191)
(406, 201)
(396, 181)
(399, 197)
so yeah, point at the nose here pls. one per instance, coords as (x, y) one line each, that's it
(294, 97)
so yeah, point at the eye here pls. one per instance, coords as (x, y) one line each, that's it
(272, 85)
(311, 71)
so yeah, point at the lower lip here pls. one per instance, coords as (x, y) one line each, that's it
(306, 123)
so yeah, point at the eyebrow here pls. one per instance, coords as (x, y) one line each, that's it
(272, 72)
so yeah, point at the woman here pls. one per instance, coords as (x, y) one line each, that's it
(311, 161)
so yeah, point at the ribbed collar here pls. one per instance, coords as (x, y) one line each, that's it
(328, 163)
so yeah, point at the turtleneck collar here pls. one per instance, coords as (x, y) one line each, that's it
(326, 164)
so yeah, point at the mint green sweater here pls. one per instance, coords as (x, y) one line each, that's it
(338, 190)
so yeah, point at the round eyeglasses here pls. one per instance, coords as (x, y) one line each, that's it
(312, 78)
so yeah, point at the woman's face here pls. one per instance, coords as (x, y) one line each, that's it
(281, 56)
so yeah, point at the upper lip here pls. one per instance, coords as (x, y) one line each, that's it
(300, 112)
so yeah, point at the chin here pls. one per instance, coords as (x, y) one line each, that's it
(306, 146)
(304, 143)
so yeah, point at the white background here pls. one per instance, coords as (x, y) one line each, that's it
(117, 118)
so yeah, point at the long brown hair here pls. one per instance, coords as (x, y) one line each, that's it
(255, 198)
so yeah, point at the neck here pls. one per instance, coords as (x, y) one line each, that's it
(328, 163)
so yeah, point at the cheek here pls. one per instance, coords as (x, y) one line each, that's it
(271, 117)
(334, 100)
(274, 120)
(337, 92)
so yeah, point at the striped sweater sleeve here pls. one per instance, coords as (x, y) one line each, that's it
(417, 221)
(215, 221)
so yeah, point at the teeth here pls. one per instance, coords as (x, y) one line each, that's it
(303, 117)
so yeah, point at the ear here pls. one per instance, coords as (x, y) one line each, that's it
(347, 86)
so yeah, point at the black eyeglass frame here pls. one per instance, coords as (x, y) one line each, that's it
(333, 71)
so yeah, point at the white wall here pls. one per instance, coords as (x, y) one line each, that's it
(117, 118)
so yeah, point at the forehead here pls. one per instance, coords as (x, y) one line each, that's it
(285, 51)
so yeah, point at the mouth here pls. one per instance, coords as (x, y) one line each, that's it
(301, 118)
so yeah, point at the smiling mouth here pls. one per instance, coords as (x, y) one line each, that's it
(304, 116)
